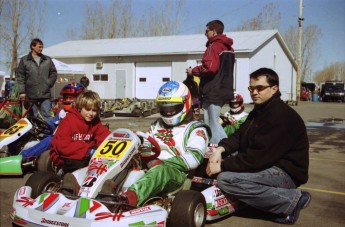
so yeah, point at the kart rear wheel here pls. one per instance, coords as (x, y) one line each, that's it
(44, 162)
(43, 182)
(188, 209)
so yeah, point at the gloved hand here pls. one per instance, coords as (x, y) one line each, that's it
(153, 163)
(91, 151)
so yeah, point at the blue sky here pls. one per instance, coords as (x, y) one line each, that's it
(329, 15)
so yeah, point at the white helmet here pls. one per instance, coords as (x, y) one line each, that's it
(174, 102)
(236, 105)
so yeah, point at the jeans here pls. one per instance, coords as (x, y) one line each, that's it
(45, 107)
(211, 116)
(269, 190)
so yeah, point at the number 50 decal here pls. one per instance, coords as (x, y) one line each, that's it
(113, 149)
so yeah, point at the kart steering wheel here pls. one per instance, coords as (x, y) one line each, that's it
(155, 149)
(41, 126)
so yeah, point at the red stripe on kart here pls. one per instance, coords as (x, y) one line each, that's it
(49, 201)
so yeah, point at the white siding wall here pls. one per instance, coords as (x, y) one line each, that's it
(272, 56)
(106, 89)
(241, 77)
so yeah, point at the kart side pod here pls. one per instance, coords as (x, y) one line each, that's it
(11, 165)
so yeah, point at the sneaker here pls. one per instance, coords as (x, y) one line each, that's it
(70, 185)
(302, 203)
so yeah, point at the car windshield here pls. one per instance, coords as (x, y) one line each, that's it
(335, 89)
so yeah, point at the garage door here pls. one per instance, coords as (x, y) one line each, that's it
(150, 77)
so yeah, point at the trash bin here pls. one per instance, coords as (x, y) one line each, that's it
(315, 97)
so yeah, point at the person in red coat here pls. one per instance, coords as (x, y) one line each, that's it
(212, 98)
(78, 133)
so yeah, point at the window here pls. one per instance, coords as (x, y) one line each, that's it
(100, 77)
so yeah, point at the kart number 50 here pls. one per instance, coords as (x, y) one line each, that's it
(113, 149)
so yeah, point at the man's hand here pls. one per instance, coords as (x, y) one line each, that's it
(213, 168)
(216, 156)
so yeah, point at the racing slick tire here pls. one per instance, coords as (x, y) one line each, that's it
(41, 181)
(44, 162)
(188, 209)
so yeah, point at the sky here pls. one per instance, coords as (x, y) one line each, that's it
(329, 15)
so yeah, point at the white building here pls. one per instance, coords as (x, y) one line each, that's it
(137, 67)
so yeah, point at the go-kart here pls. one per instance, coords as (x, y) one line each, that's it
(25, 133)
(45, 201)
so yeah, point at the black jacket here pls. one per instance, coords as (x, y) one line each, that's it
(219, 88)
(273, 135)
(36, 81)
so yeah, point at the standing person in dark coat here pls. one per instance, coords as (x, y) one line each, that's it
(212, 84)
(36, 75)
(273, 154)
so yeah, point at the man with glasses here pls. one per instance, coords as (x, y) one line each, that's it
(273, 154)
(213, 98)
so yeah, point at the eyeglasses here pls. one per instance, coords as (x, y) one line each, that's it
(258, 88)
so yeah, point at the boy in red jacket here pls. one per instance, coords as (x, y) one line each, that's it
(80, 131)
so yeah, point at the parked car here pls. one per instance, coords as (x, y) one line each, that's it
(333, 91)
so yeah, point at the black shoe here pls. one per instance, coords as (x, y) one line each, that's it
(302, 203)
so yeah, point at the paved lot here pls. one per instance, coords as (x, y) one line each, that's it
(326, 130)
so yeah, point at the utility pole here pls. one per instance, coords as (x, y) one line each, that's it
(298, 82)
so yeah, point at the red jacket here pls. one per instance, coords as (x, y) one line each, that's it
(210, 59)
(74, 136)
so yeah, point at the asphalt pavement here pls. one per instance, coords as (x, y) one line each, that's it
(326, 131)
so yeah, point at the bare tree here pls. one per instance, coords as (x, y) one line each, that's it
(165, 21)
(19, 23)
(268, 18)
(335, 71)
(310, 38)
(118, 21)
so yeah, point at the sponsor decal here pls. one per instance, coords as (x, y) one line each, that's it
(127, 158)
(22, 191)
(121, 135)
(217, 193)
(67, 205)
(163, 98)
(105, 215)
(27, 201)
(166, 89)
(221, 202)
(89, 181)
(52, 222)
(139, 210)
(99, 168)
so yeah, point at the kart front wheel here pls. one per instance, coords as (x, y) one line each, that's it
(188, 209)
(44, 162)
(43, 182)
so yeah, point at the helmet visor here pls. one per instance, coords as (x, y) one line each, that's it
(234, 104)
(170, 109)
